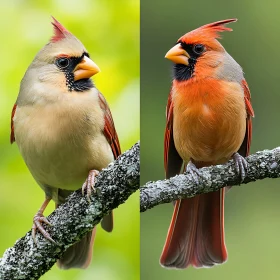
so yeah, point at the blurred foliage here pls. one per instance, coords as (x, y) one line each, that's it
(252, 223)
(110, 32)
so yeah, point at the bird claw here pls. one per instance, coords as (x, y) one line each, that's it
(241, 165)
(37, 225)
(88, 185)
(193, 171)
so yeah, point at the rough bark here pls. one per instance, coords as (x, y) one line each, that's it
(72, 220)
(265, 164)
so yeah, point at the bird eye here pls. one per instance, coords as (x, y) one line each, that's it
(198, 49)
(62, 62)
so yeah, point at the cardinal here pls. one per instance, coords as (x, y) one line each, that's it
(64, 130)
(209, 121)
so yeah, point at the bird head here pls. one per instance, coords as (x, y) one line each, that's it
(61, 66)
(198, 51)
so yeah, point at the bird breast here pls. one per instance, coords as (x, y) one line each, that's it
(60, 142)
(209, 119)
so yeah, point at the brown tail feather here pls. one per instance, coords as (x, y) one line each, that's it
(78, 255)
(196, 233)
(107, 222)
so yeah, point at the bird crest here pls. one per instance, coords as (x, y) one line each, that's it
(60, 32)
(207, 32)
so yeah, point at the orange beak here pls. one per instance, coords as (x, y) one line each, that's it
(178, 55)
(85, 69)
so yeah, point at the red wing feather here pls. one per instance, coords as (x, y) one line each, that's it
(12, 135)
(247, 97)
(172, 161)
(168, 129)
(245, 147)
(112, 138)
(109, 128)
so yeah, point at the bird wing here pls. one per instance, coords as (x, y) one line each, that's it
(109, 127)
(112, 138)
(245, 147)
(12, 135)
(172, 160)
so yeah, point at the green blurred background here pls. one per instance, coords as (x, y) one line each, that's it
(110, 32)
(252, 212)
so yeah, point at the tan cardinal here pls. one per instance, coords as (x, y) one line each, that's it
(209, 121)
(64, 130)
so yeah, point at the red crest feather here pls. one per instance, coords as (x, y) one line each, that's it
(207, 32)
(60, 31)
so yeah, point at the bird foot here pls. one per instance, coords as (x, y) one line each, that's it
(240, 165)
(38, 219)
(193, 171)
(88, 185)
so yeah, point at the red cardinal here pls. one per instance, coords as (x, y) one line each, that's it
(64, 130)
(208, 122)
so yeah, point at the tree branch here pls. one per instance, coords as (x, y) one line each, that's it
(265, 164)
(72, 220)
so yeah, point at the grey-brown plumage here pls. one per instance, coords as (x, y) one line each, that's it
(64, 130)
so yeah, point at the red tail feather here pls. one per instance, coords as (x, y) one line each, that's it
(196, 233)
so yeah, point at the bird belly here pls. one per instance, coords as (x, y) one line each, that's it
(61, 150)
(66, 166)
(209, 128)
